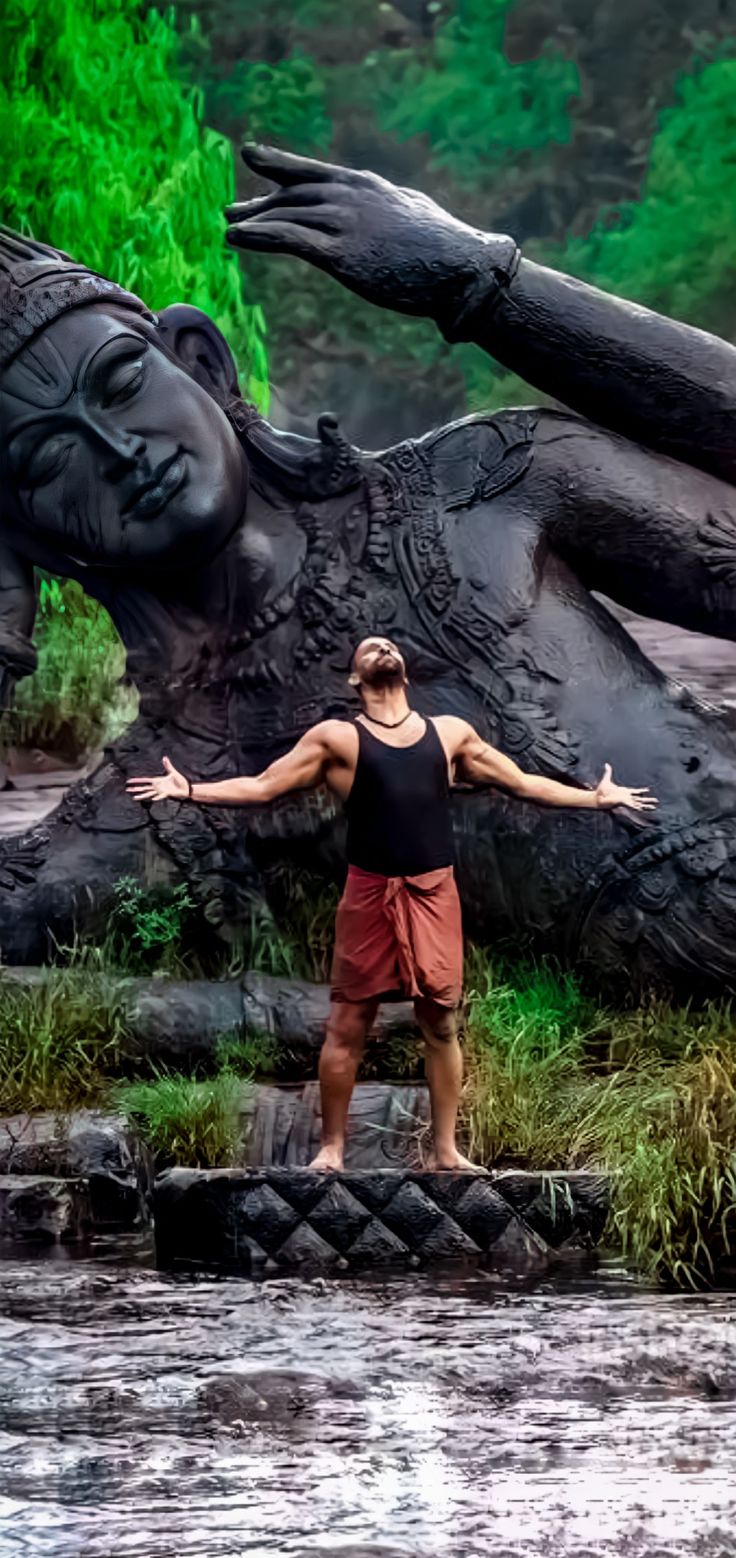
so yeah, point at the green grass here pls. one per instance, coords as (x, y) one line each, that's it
(649, 1096)
(60, 1039)
(189, 1121)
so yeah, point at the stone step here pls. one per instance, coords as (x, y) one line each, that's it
(386, 1120)
(267, 1220)
(180, 1022)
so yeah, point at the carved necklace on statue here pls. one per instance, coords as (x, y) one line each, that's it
(384, 723)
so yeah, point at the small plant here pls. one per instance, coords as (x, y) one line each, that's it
(186, 1120)
(252, 1055)
(146, 927)
(60, 1037)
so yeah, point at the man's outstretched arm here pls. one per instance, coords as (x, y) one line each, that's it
(480, 763)
(661, 383)
(299, 769)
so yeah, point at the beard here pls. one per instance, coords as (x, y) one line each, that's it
(385, 674)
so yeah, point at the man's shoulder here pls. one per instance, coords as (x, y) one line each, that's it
(337, 735)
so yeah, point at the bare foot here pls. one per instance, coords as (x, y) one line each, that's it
(329, 1160)
(454, 1163)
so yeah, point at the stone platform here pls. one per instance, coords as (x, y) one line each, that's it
(261, 1221)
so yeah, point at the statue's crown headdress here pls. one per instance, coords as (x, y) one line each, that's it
(37, 283)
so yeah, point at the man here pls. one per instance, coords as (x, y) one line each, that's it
(398, 929)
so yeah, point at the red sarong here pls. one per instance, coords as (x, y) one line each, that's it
(398, 936)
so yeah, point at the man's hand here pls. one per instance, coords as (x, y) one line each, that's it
(609, 794)
(165, 787)
(392, 246)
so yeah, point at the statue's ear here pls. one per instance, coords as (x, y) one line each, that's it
(201, 348)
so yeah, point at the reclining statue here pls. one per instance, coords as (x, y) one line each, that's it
(241, 565)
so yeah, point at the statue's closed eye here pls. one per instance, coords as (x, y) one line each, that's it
(124, 381)
(46, 461)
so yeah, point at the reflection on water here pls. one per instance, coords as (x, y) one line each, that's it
(153, 1416)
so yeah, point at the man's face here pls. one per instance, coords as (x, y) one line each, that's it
(378, 663)
(113, 454)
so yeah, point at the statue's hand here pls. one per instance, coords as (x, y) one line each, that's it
(169, 786)
(610, 794)
(393, 246)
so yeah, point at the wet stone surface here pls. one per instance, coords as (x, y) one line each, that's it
(154, 1416)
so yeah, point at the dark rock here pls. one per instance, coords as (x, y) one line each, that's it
(47, 1210)
(183, 1020)
(99, 1148)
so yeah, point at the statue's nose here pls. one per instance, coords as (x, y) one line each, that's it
(121, 450)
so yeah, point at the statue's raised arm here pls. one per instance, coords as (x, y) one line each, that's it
(660, 382)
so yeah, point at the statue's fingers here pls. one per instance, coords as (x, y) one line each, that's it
(285, 167)
(283, 238)
(294, 194)
(323, 218)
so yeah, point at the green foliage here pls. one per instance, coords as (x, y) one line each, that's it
(675, 247)
(284, 102)
(248, 1055)
(475, 106)
(104, 153)
(185, 1120)
(146, 928)
(648, 1095)
(77, 699)
(293, 936)
(60, 1036)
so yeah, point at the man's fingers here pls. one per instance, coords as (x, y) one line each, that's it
(285, 167)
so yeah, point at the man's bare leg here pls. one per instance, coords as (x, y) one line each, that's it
(348, 1026)
(444, 1068)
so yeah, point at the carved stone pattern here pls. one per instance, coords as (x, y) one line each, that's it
(280, 1219)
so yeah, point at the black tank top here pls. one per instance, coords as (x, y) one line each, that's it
(398, 809)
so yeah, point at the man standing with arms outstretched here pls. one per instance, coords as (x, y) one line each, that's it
(398, 931)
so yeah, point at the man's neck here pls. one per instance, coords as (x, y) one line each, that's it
(387, 704)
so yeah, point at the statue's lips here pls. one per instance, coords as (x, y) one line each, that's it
(156, 494)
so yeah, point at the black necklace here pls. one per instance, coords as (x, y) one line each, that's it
(385, 723)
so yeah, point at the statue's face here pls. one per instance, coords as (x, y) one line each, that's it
(114, 454)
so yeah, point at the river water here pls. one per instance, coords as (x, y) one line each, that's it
(145, 1415)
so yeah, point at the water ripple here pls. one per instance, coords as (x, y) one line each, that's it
(151, 1416)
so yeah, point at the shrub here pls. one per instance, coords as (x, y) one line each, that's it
(60, 1037)
(649, 1096)
(186, 1120)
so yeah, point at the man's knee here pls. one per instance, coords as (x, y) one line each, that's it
(438, 1023)
(349, 1022)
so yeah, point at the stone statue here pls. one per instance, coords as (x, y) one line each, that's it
(241, 565)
